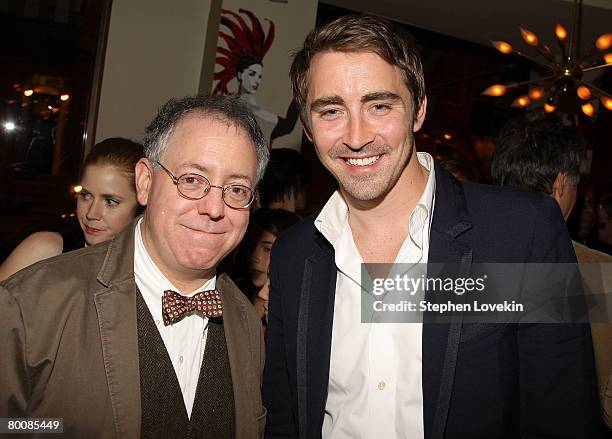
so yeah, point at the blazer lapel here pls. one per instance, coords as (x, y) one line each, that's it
(241, 352)
(441, 340)
(115, 302)
(314, 334)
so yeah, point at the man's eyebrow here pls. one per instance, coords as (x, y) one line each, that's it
(317, 104)
(204, 171)
(380, 96)
(118, 197)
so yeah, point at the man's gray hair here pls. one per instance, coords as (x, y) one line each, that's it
(227, 109)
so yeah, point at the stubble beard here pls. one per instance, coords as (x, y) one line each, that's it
(373, 186)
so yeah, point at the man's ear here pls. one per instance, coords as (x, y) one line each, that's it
(559, 186)
(144, 177)
(420, 116)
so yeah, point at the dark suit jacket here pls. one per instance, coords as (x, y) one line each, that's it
(480, 380)
(69, 344)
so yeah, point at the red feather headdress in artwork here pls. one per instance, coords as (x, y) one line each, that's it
(244, 42)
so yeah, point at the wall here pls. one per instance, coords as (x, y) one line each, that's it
(154, 52)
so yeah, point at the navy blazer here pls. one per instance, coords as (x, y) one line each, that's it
(479, 380)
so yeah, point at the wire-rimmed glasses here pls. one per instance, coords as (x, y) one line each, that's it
(196, 186)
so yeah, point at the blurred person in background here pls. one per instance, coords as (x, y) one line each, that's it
(582, 222)
(283, 186)
(105, 205)
(542, 155)
(461, 170)
(253, 260)
(603, 242)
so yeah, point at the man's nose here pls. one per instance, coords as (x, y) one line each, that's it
(212, 203)
(358, 133)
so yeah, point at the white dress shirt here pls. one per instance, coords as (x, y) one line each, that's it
(185, 340)
(375, 385)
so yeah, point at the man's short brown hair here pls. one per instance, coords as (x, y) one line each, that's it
(359, 33)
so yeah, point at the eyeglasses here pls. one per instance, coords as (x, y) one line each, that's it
(196, 186)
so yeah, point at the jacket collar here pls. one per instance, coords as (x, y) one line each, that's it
(115, 302)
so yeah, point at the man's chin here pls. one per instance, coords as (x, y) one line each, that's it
(199, 262)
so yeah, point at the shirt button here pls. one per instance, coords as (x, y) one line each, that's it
(381, 385)
(181, 359)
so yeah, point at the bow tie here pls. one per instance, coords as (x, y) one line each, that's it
(175, 305)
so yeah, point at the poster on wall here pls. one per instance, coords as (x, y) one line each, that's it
(255, 41)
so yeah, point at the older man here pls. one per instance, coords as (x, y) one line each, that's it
(139, 336)
(359, 84)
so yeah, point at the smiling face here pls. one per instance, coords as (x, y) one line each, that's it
(259, 261)
(362, 122)
(106, 204)
(250, 79)
(188, 238)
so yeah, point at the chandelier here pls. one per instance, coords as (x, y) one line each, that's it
(564, 85)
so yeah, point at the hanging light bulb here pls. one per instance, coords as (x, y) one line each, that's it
(588, 109)
(521, 101)
(549, 108)
(502, 46)
(536, 94)
(608, 58)
(495, 90)
(529, 37)
(584, 93)
(604, 42)
(607, 102)
(560, 32)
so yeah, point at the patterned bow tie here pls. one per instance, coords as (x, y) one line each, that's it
(175, 305)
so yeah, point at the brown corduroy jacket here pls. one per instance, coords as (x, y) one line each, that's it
(69, 344)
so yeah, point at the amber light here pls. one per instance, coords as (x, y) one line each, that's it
(521, 101)
(608, 58)
(447, 136)
(584, 93)
(588, 109)
(529, 37)
(502, 46)
(77, 189)
(549, 108)
(607, 102)
(28, 92)
(604, 42)
(536, 94)
(64, 97)
(495, 90)
(560, 32)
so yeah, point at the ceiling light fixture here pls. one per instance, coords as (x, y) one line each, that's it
(565, 80)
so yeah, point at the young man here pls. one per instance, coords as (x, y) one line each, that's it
(138, 336)
(359, 84)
